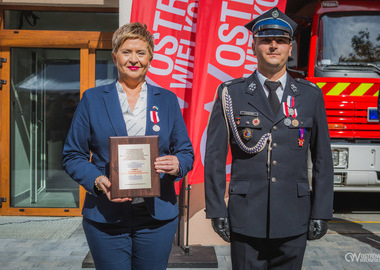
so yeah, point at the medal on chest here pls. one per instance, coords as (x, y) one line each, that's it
(301, 137)
(290, 112)
(155, 119)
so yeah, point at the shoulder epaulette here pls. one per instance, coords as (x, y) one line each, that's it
(234, 81)
(306, 82)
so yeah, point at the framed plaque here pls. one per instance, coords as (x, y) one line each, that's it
(132, 172)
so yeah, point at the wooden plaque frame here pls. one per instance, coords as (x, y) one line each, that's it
(116, 192)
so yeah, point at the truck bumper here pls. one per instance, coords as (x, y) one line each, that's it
(356, 167)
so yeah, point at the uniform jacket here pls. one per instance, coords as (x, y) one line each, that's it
(279, 203)
(97, 117)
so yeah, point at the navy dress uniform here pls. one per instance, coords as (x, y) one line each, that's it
(271, 208)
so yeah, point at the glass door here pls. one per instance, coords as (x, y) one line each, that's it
(44, 93)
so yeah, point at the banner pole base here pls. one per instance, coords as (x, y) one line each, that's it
(180, 257)
(195, 256)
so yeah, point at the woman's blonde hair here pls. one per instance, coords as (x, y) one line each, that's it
(134, 30)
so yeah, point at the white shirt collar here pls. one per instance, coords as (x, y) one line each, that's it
(262, 79)
(119, 87)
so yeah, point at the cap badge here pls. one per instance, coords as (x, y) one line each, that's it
(275, 14)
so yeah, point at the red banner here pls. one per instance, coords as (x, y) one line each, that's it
(192, 66)
(173, 25)
(223, 52)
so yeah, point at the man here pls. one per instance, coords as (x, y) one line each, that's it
(271, 209)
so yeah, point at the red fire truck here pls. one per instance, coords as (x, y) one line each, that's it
(338, 48)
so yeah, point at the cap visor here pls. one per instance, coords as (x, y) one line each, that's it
(272, 33)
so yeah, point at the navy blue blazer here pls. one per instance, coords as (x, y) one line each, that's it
(97, 117)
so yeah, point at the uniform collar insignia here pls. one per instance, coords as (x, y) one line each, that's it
(293, 87)
(251, 88)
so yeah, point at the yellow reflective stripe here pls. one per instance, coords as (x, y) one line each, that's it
(376, 94)
(362, 88)
(337, 89)
(352, 221)
(321, 84)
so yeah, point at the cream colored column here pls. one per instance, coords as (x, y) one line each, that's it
(125, 8)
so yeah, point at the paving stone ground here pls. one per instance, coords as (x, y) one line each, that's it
(349, 245)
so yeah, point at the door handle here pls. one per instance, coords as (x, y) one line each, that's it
(1, 84)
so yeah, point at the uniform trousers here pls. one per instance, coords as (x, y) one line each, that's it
(141, 243)
(250, 253)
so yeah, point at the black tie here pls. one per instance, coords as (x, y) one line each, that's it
(273, 98)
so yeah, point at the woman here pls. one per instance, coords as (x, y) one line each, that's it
(123, 233)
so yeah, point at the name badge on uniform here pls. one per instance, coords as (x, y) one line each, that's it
(249, 113)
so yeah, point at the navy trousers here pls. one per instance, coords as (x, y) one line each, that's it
(249, 253)
(141, 243)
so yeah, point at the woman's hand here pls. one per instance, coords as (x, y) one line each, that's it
(167, 164)
(105, 184)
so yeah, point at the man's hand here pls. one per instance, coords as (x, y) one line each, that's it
(222, 227)
(317, 229)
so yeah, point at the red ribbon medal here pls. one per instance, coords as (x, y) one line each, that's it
(301, 139)
(155, 119)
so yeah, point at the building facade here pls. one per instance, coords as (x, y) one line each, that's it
(50, 53)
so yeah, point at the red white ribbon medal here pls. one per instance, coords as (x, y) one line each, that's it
(155, 119)
(289, 110)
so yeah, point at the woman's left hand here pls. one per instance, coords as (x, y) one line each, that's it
(167, 164)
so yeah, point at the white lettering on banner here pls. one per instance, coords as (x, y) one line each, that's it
(233, 13)
(188, 43)
(180, 50)
(168, 24)
(182, 78)
(239, 35)
(186, 74)
(173, 53)
(191, 27)
(191, 8)
(237, 29)
(231, 49)
(249, 2)
(259, 12)
(163, 59)
(164, 41)
(267, 3)
(184, 63)
(170, 7)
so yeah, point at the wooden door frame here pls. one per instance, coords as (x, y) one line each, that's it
(87, 43)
